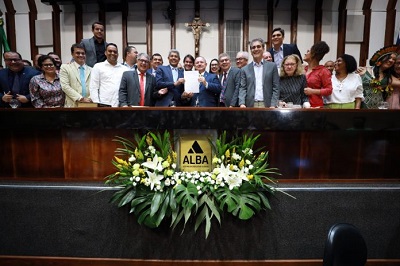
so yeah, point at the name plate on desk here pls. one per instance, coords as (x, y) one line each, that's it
(195, 150)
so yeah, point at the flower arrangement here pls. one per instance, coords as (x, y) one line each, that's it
(378, 87)
(155, 191)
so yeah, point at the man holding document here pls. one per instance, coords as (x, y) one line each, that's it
(202, 87)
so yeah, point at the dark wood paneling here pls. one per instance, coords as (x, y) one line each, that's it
(32, 31)
(221, 26)
(246, 14)
(305, 145)
(78, 22)
(318, 21)
(390, 22)
(60, 261)
(342, 28)
(367, 24)
(56, 29)
(149, 27)
(293, 21)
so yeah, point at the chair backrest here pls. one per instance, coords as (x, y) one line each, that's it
(345, 246)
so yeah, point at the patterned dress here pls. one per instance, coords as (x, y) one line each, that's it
(371, 99)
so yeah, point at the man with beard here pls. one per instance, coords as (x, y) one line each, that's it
(106, 78)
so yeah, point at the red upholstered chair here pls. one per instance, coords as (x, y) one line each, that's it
(345, 246)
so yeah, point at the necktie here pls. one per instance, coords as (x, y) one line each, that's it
(141, 89)
(175, 73)
(15, 87)
(83, 81)
(221, 97)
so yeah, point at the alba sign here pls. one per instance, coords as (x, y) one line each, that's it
(195, 153)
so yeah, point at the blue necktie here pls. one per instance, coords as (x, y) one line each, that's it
(222, 96)
(175, 73)
(83, 81)
(15, 88)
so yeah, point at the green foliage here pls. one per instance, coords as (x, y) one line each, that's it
(155, 191)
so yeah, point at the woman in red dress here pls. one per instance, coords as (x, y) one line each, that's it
(318, 77)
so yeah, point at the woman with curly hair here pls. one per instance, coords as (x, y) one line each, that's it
(377, 84)
(318, 77)
(347, 87)
(292, 81)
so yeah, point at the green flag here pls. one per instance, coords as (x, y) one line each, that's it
(3, 38)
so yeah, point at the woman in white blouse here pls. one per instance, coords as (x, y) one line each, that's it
(347, 86)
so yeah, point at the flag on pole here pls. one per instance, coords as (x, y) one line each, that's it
(3, 37)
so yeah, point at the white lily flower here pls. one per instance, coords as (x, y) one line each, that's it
(132, 158)
(155, 164)
(153, 179)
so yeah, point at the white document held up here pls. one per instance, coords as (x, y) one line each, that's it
(191, 81)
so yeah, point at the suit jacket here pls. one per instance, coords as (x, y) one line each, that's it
(90, 50)
(231, 93)
(208, 97)
(288, 49)
(129, 89)
(70, 79)
(25, 77)
(164, 79)
(247, 87)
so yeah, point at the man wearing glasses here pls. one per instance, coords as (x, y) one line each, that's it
(259, 80)
(137, 87)
(242, 58)
(14, 80)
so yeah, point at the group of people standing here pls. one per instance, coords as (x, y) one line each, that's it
(275, 78)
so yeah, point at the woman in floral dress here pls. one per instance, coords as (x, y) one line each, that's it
(377, 84)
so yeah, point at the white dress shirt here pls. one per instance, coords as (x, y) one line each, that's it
(105, 81)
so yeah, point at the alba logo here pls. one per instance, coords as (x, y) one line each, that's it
(194, 156)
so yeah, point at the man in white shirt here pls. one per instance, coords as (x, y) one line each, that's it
(106, 78)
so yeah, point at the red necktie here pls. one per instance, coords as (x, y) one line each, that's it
(141, 89)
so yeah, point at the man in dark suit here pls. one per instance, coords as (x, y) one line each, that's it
(130, 93)
(230, 82)
(95, 47)
(209, 87)
(279, 49)
(259, 80)
(170, 81)
(14, 80)
(156, 60)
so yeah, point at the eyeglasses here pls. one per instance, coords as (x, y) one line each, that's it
(289, 64)
(276, 35)
(143, 61)
(48, 65)
(240, 59)
(256, 46)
